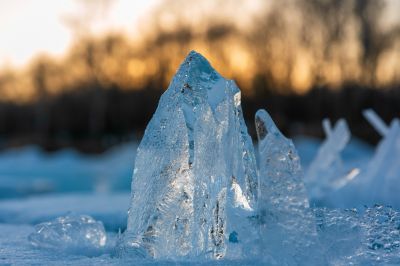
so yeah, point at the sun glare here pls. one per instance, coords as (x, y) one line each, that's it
(30, 27)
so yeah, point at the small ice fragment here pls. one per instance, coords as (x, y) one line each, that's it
(327, 171)
(78, 234)
(376, 122)
(341, 182)
(327, 126)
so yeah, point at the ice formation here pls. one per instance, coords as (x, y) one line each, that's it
(380, 179)
(197, 193)
(288, 229)
(72, 233)
(194, 186)
(327, 172)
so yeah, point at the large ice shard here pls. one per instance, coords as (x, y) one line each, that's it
(327, 172)
(195, 179)
(287, 223)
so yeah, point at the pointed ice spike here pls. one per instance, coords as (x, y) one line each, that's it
(279, 162)
(341, 134)
(376, 122)
(327, 168)
(287, 224)
(327, 126)
(195, 177)
(265, 125)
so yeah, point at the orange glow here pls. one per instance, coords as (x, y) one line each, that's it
(279, 42)
(301, 74)
(388, 67)
(54, 24)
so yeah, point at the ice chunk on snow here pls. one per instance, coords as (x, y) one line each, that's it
(72, 233)
(195, 177)
(287, 224)
(327, 172)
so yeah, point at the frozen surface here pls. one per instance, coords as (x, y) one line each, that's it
(381, 236)
(76, 234)
(15, 249)
(39, 172)
(287, 223)
(368, 237)
(109, 208)
(195, 177)
(339, 234)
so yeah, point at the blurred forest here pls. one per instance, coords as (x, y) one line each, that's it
(301, 60)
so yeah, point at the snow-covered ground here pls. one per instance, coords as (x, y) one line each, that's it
(110, 208)
(29, 170)
(36, 186)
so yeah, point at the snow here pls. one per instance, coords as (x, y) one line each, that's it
(111, 209)
(376, 122)
(39, 172)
